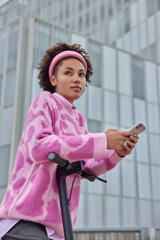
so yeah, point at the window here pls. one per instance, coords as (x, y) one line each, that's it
(142, 10)
(67, 12)
(94, 15)
(112, 211)
(75, 38)
(7, 120)
(35, 86)
(97, 187)
(94, 126)
(2, 48)
(156, 208)
(144, 53)
(60, 34)
(150, 7)
(12, 49)
(87, 21)
(80, 24)
(93, 199)
(126, 3)
(119, 26)
(109, 68)
(128, 179)
(143, 35)
(124, 73)
(42, 41)
(127, 41)
(138, 78)
(80, 6)
(140, 110)
(158, 4)
(145, 212)
(151, 30)
(112, 31)
(95, 55)
(126, 110)
(9, 88)
(81, 212)
(1, 76)
(157, 24)
(153, 118)
(153, 52)
(110, 8)
(129, 209)
(73, 11)
(87, 3)
(142, 151)
(102, 13)
(158, 51)
(81, 104)
(159, 80)
(118, 6)
(4, 165)
(151, 82)
(154, 143)
(135, 41)
(113, 178)
(94, 103)
(140, 115)
(144, 182)
(110, 107)
(126, 21)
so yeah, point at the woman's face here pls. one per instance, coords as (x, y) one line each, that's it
(69, 80)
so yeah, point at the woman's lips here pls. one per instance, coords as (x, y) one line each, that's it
(76, 88)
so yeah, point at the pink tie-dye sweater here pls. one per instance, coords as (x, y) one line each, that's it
(52, 125)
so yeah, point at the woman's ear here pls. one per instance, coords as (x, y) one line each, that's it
(53, 81)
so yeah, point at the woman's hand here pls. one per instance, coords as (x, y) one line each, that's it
(121, 141)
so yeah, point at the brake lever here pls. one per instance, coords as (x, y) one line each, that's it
(91, 176)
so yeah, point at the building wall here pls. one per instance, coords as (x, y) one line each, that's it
(125, 89)
(132, 25)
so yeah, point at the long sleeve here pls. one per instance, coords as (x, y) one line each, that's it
(100, 166)
(44, 133)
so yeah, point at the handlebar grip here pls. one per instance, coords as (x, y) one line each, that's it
(55, 158)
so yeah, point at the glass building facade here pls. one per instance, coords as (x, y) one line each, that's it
(132, 25)
(125, 89)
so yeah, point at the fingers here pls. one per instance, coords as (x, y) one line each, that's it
(129, 134)
(126, 133)
(129, 146)
(129, 141)
(134, 138)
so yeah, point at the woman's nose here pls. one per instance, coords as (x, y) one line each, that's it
(76, 79)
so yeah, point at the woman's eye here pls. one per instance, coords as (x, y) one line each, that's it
(82, 75)
(68, 73)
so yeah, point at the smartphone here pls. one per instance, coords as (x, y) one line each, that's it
(138, 128)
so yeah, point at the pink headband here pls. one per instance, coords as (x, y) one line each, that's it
(65, 54)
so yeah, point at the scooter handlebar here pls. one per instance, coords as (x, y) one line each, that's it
(65, 164)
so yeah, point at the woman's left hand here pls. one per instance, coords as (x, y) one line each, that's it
(128, 146)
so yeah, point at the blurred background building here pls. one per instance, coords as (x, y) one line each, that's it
(123, 40)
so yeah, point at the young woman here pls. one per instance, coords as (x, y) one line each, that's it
(31, 207)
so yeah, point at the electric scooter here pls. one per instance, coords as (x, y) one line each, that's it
(64, 169)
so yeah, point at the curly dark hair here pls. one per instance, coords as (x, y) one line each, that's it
(44, 80)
